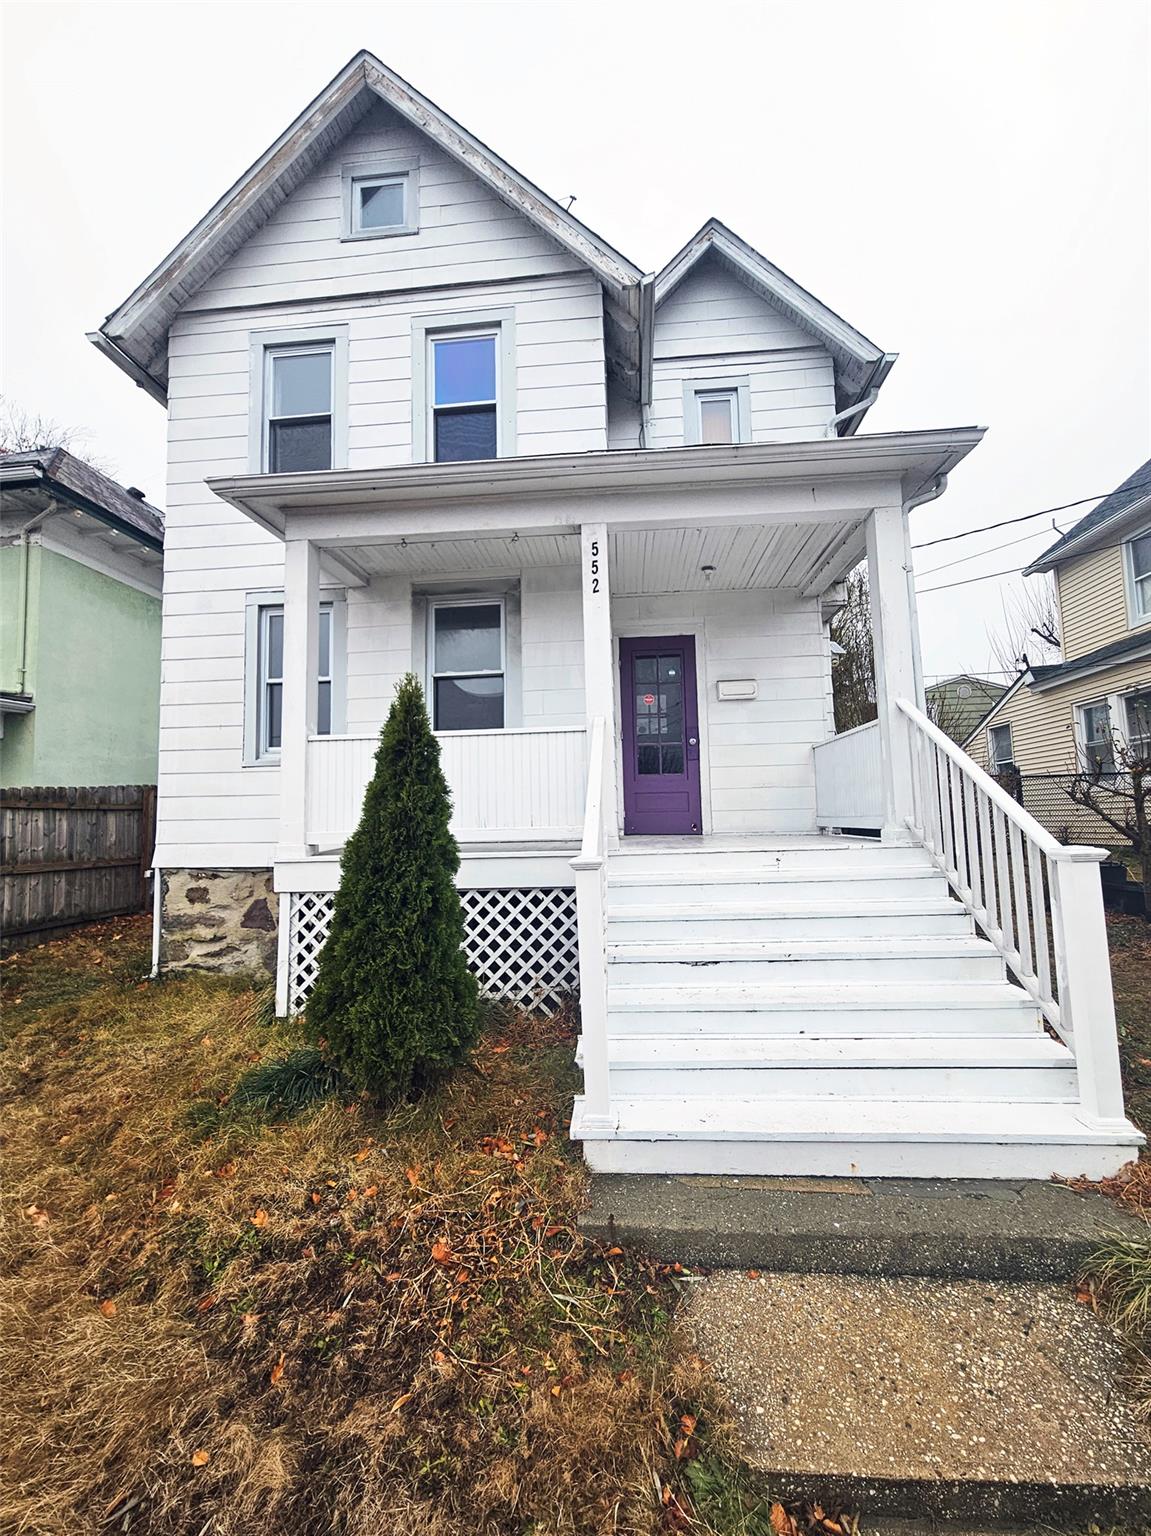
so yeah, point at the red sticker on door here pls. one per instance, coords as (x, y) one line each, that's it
(649, 698)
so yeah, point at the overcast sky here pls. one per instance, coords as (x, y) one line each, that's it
(967, 181)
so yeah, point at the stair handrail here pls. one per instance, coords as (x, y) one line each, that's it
(1008, 870)
(591, 917)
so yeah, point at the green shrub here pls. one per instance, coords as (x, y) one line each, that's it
(289, 1083)
(394, 1003)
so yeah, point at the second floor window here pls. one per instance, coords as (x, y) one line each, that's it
(298, 408)
(464, 401)
(1138, 553)
(1138, 709)
(1000, 752)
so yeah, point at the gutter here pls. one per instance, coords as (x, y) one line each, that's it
(19, 475)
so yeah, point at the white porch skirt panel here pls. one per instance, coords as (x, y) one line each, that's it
(521, 944)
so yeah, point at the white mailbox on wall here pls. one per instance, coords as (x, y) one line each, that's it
(737, 688)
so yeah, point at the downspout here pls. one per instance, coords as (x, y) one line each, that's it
(646, 329)
(852, 410)
(933, 492)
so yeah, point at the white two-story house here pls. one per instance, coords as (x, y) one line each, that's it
(421, 418)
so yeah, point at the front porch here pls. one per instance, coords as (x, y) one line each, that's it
(756, 995)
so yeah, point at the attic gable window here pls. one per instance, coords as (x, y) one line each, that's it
(381, 198)
(716, 411)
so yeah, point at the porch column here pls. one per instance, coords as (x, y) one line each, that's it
(300, 692)
(598, 656)
(894, 639)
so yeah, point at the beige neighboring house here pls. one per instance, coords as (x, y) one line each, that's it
(1057, 720)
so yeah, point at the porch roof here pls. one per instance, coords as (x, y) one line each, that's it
(811, 473)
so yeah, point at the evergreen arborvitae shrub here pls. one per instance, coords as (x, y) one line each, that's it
(394, 1002)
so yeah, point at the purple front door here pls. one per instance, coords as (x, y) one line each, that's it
(660, 736)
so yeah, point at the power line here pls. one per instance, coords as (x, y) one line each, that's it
(967, 580)
(963, 559)
(1006, 522)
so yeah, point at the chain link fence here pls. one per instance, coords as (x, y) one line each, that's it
(1047, 797)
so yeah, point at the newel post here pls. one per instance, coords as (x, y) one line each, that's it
(300, 701)
(893, 636)
(1086, 1000)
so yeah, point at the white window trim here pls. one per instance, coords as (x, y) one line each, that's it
(255, 605)
(429, 328)
(992, 760)
(739, 388)
(380, 168)
(1081, 706)
(264, 343)
(1136, 618)
(507, 592)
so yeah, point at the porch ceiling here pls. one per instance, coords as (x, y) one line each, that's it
(730, 558)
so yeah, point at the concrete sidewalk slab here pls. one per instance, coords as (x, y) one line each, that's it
(945, 1228)
(958, 1399)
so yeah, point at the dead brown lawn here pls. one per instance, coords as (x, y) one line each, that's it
(354, 1322)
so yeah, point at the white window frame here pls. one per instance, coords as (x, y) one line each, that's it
(428, 329)
(1138, 614)
(995, 764)
(739, 391)
(1102, 701)
(1124, 705)
(471, 600)
(263, 346)
(257, 607)
(377, 170)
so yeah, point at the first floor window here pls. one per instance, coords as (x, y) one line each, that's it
(1138, 712)
(298, 407)
(1096, 738)
(270, 682)
(467, 649)
(1139, 569)
(1001, 753)
(464, 401)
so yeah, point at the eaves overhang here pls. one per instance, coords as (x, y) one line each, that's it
(1092, 663)
(912, 460)
(1093, 538)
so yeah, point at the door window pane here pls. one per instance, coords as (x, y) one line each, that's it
(469, 703)
(716, 419)
(672, 759)
(468, 638)
(465, 370)
(381, 206)
(648, 759)
(466, 434)
(301, 383)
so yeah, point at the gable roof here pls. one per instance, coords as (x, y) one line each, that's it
(860, 366)
(134, 335)
(29, 478)
(997, 704)
(1124, 499)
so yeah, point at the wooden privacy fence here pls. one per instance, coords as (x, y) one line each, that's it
(70, 856)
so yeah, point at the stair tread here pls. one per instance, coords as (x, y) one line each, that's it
(769, 1051)
(842, 947)
(728, 1118)
(758, 875)
(877, 995)
(672, 910)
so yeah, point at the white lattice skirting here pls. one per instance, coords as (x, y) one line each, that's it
(521, 944)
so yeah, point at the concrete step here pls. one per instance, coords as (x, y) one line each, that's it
(822, 1008)
(988, 1068)
(729, 963)
(898, 1138)
(983, 1229)
(937, 917)
(944, 1399)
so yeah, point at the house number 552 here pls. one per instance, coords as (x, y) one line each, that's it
(593, 552)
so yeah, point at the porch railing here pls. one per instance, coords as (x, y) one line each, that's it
(849, 779)
(507, 786)
(1039, 902)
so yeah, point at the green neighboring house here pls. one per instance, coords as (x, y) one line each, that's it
(81, 568)
(958, 704)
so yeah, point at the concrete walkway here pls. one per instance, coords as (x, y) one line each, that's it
(963, 1399)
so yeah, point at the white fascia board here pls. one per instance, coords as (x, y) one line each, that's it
(1101, 533)
(986, 719)
(907, 460)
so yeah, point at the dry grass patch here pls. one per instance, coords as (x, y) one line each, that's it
(351, 1322)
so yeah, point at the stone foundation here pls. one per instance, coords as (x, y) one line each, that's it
(218, 920)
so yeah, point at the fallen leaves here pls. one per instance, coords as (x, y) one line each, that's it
(277, 1371)
(260, 1219)
(201, 1458)
(108, 1308)
(442, 1251)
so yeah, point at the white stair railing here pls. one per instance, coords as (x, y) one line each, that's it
(591, 915)
(1039, 902)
